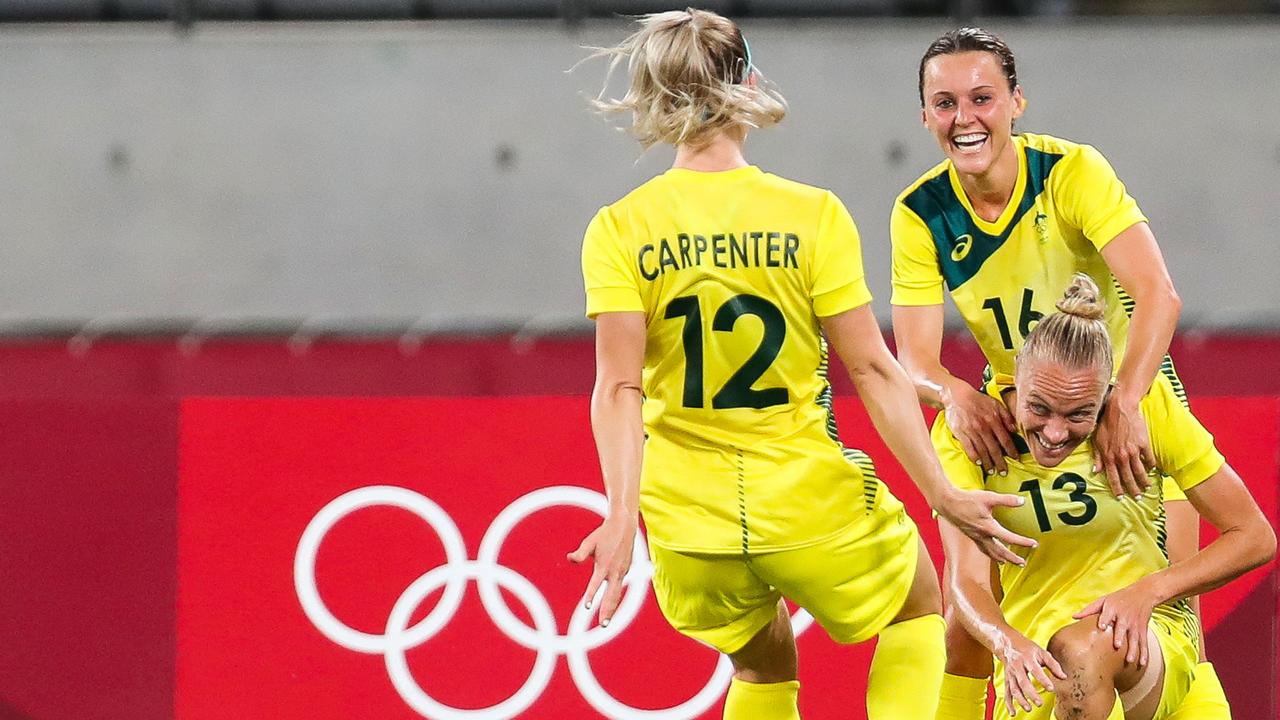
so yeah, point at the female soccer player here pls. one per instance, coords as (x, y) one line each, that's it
(711, 286)
(1098, 555)
(1003, 222)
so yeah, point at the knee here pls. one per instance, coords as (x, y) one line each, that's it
(1080, 646)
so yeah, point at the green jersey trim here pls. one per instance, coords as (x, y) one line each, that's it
(962, 246)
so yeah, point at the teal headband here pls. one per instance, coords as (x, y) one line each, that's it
(746, 73)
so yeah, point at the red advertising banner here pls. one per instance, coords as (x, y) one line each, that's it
(404, 558)
(88, 490)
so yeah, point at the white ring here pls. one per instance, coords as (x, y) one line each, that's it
(399, 642)
(304, 565)
(490, 576)
(636, 581)
(609, 706)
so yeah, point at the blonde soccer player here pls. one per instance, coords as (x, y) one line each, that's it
(1096, 624)
(1003, 223)
(711, 286)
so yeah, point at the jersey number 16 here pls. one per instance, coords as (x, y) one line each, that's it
(1025, 318)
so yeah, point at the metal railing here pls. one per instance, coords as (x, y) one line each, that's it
(411, 334)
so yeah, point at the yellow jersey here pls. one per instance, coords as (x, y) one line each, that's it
(1090, 543)
(1003, 276)
(732, 271)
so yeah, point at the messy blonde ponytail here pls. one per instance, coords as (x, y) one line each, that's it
(1076, 336)
(688, 80)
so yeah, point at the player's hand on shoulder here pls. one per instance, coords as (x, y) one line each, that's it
(1122, 449)
(970, 511)
(983, 425)
(610, 547)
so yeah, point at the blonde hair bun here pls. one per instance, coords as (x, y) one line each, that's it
(1083, 299)
(1076, 336)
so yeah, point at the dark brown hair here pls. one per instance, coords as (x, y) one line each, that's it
(970, 39)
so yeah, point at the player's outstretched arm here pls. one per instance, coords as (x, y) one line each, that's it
(890, 399)
(982, 424)
(619, 433)
(973, 601)
(1122, 447)
(1246, 540)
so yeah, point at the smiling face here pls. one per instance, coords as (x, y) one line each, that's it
(1057, 408)
(970, 109)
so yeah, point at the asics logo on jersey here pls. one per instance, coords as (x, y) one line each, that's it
(961, 250)
(491, 578)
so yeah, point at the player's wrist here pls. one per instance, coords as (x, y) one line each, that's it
(1003, 639)
(1153, 589)
(624, 509)
(625, 514)
(946, 500)
(952, 390)
(1125, 397)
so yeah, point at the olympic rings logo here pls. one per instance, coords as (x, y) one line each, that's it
(454, 576)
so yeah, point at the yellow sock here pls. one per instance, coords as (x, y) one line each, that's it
(962, 698)
(1205, 700)
(906, 670)
(762, 701)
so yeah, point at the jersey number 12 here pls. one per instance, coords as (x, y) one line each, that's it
(737, 392)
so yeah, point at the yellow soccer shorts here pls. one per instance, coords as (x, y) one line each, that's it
(853, 582)
(1179, 645)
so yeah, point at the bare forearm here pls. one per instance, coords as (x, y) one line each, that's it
(918, 332)
(1236, 551)
(969, 590)
(619, 433)
(934, 384)
(1150, 332)
(891, 403)
(1134, 259)
(980, 614)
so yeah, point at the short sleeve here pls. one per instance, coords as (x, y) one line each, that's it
(837, 280)
(1183, 448)
(1171, 490)
(611, 282)
(917, 277)
(959, 469)
(1093, 198)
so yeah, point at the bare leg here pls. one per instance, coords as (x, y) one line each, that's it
(770, 656)
(764, 685)
(1096, 671)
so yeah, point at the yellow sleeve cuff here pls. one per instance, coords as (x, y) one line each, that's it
(1113, 226)
(608, 299)
(845, 297)
(931, 295)
(1171, 490)
(1200, 469)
